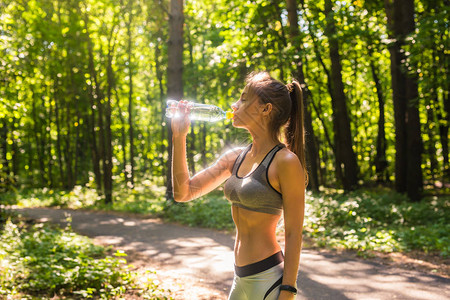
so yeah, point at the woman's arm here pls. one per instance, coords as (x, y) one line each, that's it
(292, 182)
(186, 188)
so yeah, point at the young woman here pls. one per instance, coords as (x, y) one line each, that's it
(263, 180)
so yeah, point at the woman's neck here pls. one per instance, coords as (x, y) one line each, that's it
(262, 143)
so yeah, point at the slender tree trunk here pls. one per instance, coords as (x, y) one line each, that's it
(194, 81)
(58, 134)
(343, 141)
(203, 125)
(444, 120)
(37, 139)
(159, 76)
(30, 155)
(408, 172)
(107, 166)
(96, 152)
(70, 150)
(311, 151)
(338, 166)
(443, 132)
(14, 154)
(47, 143)
(77, 145)
(174, 72)
(380, 158)
(4, 179)
(123, 135)
(130, 174)
(431, 143)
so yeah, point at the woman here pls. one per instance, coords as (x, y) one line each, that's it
(262, 181)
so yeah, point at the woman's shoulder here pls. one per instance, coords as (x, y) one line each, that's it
(285, 158)
(288, 166)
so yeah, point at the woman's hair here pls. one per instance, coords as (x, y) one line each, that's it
(287, 110)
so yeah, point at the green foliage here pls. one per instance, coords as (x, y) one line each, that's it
(363, 220)
(211, 211)
(42, 260)
(57, 79)
(379, 220)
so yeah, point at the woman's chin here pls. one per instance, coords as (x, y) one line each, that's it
(236, 124)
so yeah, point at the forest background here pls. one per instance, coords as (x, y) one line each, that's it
(84, 85)
(83, 90)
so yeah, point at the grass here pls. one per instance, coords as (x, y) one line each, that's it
(41, 261)
(364, 220)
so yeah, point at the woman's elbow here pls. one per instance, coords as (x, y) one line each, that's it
(179, 197)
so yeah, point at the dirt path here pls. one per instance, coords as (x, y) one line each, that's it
(197, 263)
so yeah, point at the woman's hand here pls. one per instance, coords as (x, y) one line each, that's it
(180, 122)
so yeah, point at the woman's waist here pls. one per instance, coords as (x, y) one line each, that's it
(259, 266)
(251, 250)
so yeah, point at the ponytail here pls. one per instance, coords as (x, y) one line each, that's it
(287, 111)
(294, 131)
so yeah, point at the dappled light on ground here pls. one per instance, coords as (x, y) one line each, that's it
(198, 263)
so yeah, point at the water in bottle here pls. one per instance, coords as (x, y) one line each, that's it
(199, 112)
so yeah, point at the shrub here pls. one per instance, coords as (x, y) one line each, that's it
(45, 261)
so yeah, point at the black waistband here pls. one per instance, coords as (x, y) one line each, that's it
(259, 266)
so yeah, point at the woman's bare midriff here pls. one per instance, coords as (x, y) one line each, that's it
(255, 236)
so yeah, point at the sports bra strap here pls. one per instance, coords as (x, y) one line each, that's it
(265, 162)
(239, 159)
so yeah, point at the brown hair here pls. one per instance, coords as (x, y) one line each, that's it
(287, 110)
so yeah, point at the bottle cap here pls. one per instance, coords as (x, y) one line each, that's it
(229, 115)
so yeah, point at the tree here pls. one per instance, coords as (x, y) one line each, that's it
(345, 156)
(408, 143)
(311, 150)
(174, 71)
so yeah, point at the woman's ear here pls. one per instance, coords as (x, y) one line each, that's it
(267, 109)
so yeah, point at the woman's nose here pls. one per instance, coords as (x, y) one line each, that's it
(234, 106)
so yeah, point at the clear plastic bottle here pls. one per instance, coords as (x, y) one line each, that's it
(199, 112)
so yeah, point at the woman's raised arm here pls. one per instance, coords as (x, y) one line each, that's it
(186, 188)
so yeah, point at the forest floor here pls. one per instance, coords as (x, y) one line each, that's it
(197, 263)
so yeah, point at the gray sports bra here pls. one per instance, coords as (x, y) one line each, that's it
(254, 191)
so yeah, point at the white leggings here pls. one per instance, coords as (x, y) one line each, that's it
(261, 286)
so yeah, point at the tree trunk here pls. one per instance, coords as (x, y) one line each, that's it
(130, 174)
(15, 154)
(310, 147)
(338, 167)
(123, 135)
(58, 133)
(96, 153)
(159, 75)
(174, 72)
(37, 139)
(47, 143)
(4, 175)
(444, 120)
(431, 143)
(107, 166)
(380, 158)
(69, 184)
(408, 144)
(443, 132)
(194, 82)
(345, 156)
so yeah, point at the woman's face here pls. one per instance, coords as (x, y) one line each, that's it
(247, 111)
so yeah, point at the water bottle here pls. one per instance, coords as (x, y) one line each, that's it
(199, 112)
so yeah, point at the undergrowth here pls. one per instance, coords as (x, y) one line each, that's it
(379, 220)
(41, 261)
